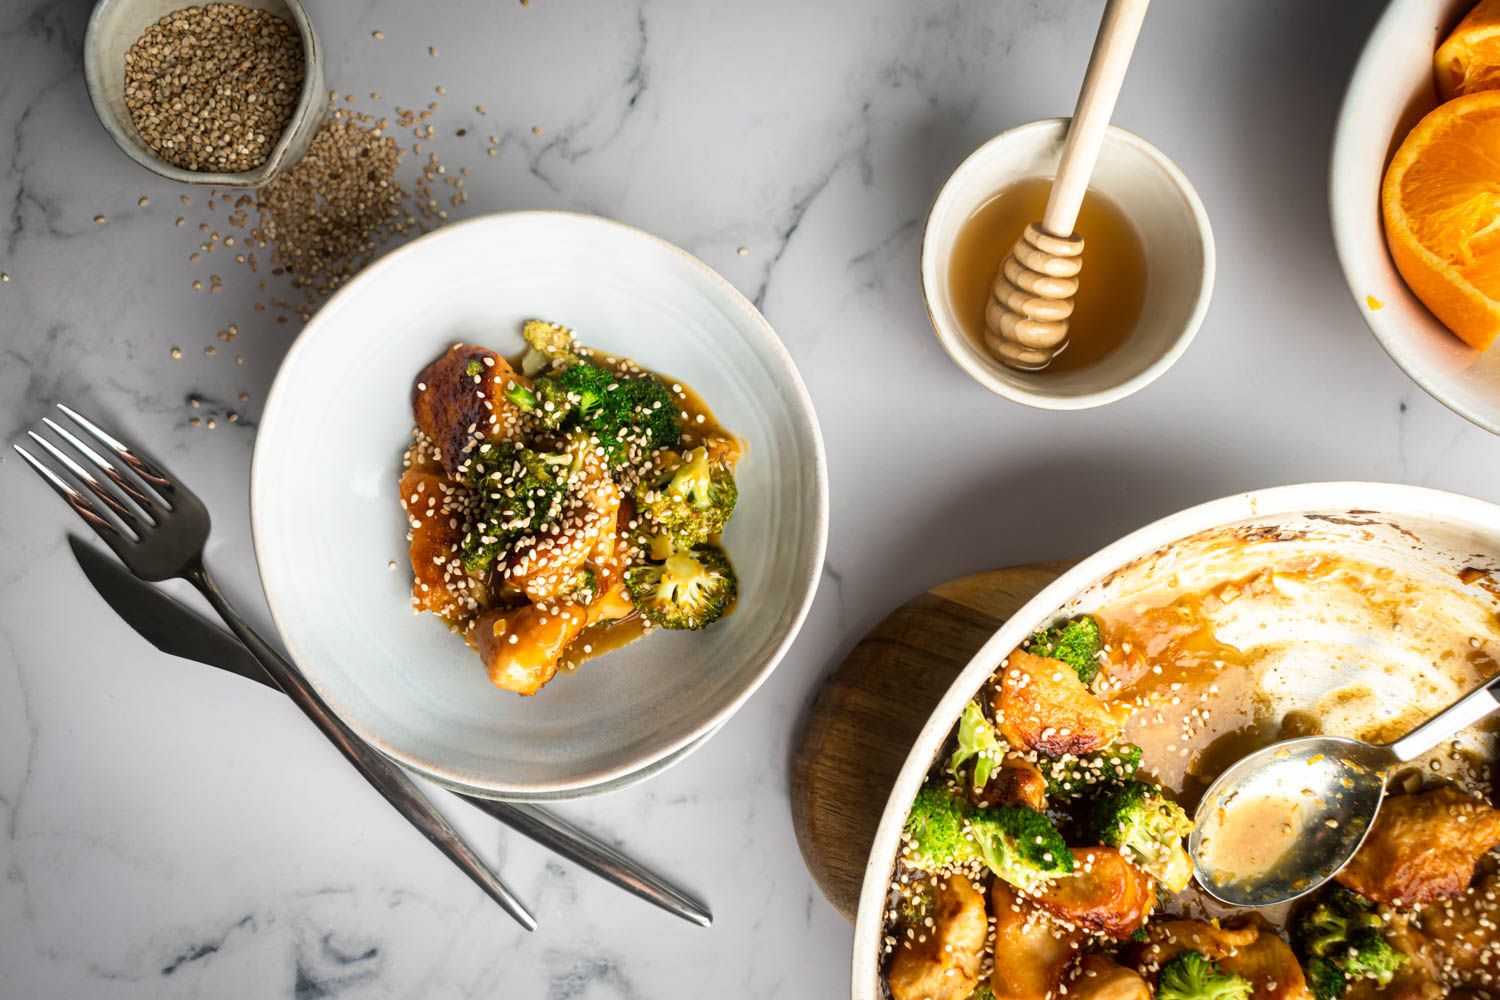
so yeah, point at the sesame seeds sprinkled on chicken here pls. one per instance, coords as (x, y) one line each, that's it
(520, 497)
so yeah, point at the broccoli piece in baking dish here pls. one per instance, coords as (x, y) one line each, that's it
(547, 344)
(518, 494)
(1191, 976)
(1341, 938)
(1077, 642)
(1149, 827)
(1070, 775)
(1324, 979)
(977, 739)
(690, 589)
(693, 502)
(943, 832)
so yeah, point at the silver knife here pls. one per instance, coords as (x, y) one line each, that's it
(176, 629)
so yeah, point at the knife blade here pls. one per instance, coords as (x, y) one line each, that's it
(166, 623)
(177, 630)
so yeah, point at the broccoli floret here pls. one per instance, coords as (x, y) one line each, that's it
(637, 416)
(1373, 958)
(693, 502)
(935, 838)
(1020, 845)
(1070, 776)
(982, 992)
(474, 367)
(977, 739)
(547, 343)
(1343, 932)
(518, 493)
(546, 401)
(1325, 980)
(690, 589)
(1077, 643)
(1149, 827)
(1191, 976)
(943, 832)
(629, 415)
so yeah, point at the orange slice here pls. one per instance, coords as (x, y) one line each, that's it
(1441, 203)
(1469, 61)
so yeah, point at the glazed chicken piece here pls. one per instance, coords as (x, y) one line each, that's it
(1016, 782)
(1269, 965)
(460, 398)
(1166, 939)
(1041, 705)
(1263, 958)
(1449, 944)
(521, 647)
(1097, 978)
(1105, 893)
(1423, 847)
(435, 511)
(1032, 952)
(943, 964)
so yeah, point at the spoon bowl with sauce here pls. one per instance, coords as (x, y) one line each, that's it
(1284, 820)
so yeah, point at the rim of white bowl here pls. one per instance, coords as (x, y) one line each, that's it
(602, 779)
(959, 347)
(1374, 498)
(1390, 335)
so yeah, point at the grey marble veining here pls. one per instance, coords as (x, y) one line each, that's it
(168, 832)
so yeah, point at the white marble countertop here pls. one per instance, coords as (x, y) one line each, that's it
(169, 832)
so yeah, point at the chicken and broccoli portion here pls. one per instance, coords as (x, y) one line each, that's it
(1040, 861)
(564, 504)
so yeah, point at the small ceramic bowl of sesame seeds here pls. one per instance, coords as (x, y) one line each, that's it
(506, 528)
(1034, 841)
(227, 94)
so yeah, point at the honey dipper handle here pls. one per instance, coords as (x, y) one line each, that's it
(1118, 30)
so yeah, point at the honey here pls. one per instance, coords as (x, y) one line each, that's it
(1112, 284)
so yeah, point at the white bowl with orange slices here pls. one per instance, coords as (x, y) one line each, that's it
(1415, 196)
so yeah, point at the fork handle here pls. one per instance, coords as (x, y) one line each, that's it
(398, 788)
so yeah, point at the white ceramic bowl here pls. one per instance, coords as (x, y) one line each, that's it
(1391, 89)
(327, 518)
(1174, 232)
(1426, 536)
(114, 27)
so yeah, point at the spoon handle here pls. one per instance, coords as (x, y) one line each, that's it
(1115, 42)
(1461, 714)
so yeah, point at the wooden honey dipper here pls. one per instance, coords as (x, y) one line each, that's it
(1026, 319)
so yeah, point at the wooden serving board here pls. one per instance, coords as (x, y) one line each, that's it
(872, 707)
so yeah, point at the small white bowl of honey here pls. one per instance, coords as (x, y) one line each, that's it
(1148, 264)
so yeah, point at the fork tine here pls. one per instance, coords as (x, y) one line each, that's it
(82, 505)
(149, 473)
(146, 503)
(97, 488)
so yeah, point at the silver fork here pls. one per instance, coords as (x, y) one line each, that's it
(158, 528)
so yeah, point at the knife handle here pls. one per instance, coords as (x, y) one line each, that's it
(393, 783)
(593, 854)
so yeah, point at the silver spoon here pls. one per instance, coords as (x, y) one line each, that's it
(1285, 819)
